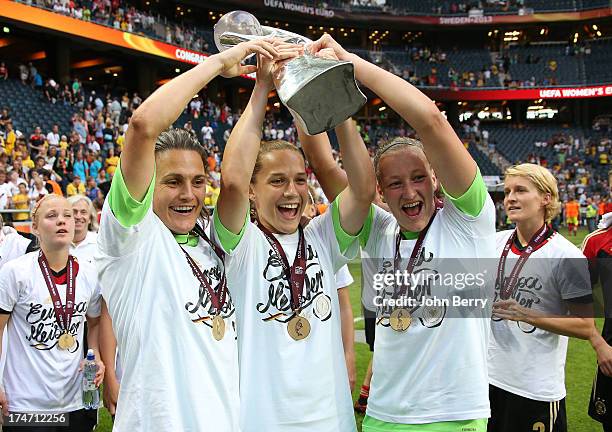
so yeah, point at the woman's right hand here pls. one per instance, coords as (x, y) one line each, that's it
(326, 41)
(266, 67)
(230, 59)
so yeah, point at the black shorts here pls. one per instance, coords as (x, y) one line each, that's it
(78, 421)
(369, 319)
(514, 413)
(600, 405)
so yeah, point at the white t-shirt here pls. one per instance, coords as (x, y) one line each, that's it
(6, 191)
(87, 249)
(12, 245)
(53, 139)
(436, 370)
(207, 132)
(35, 194)
(175, 375)
(525, 360)
(40, 377)
(344, 277)
(288, 385)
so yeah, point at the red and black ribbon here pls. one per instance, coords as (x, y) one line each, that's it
(218, 296)
(295, 273)
(507, 287)
(62, 315)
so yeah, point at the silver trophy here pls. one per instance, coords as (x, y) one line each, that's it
(320, 93)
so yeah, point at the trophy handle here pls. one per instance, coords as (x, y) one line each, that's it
(287, 36)
(231, 39)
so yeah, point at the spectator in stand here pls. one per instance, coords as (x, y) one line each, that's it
(21, 201)
(37, 141)
(63, 144)
(10, 138)
(53, 136)
(91, 189)
(108, 134)
(18, 168)
(5, 190)
(207, 132)
(51, 90)
(94, 163)
(39, 162)
(136, 101)
(101, 177)
(3, 71)
(5, 118)
(49, 178)
(76, 87)
(75, 187)
(115, 111)
(23, 73)
(37, 190)
(111, 162)
(80, 167)
(38, 81)
(93, 145)
(63, 167)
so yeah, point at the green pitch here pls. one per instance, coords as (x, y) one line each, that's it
(580, 368)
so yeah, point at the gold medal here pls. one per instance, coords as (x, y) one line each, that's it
(400, 320)
(298, 327)
(218, 327)
(66, 341)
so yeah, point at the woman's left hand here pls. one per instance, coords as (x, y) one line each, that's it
(511, 310)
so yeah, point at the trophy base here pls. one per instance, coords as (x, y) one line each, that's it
(327, 99)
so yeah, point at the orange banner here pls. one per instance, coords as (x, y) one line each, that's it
(90, 30)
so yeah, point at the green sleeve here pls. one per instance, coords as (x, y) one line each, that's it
(473, 200)
(126, 209)
(228, 239)
(344, 239)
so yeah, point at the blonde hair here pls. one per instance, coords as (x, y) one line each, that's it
(264, 148)
(396, 144)
(93, 214)
(544, 182)
(39, 203)
(268, 147)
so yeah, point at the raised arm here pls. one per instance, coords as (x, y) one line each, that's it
(318, 151)
(452, 163)
(241, 153)
(242, 147)
(356, 198)
(165, 105)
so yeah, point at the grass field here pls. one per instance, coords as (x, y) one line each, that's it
(580, 368)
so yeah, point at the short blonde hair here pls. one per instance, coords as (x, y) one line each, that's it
(544, 182)
(396, 144)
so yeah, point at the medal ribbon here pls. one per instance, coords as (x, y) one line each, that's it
(62, 315)
(218, 297)
(416, 251)
(506, 289)
(296, 273)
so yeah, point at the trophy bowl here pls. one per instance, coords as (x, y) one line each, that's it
(320, 93)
